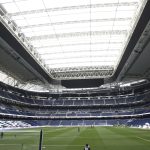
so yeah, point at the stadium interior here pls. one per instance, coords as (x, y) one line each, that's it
(73, 63)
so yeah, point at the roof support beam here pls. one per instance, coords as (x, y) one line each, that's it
(74, 7)
(78, 34)
(102, 50)
(74, 22)
(79, 44)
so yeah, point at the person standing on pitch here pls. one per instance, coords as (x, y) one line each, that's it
(78, 129)
(87, 147)
(2, 134)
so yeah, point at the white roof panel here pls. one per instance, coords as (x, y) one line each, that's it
(73, 33)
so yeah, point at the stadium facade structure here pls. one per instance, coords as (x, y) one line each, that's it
(93, 107)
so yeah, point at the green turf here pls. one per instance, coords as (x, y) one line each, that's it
(99, 138)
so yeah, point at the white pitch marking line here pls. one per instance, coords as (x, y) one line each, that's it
(10, 144)
(20, 144)
(21, 131)
(143, 139)
(42, 145)
(62, 145)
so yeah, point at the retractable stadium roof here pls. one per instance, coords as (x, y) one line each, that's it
(74, 39)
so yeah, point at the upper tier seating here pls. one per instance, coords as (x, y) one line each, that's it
(68, 102)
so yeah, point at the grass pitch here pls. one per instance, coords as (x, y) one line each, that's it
(63, 138)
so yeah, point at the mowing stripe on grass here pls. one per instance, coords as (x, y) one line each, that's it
(56, 129)
(66, 137)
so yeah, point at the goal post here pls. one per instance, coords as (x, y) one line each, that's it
(41, 140)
